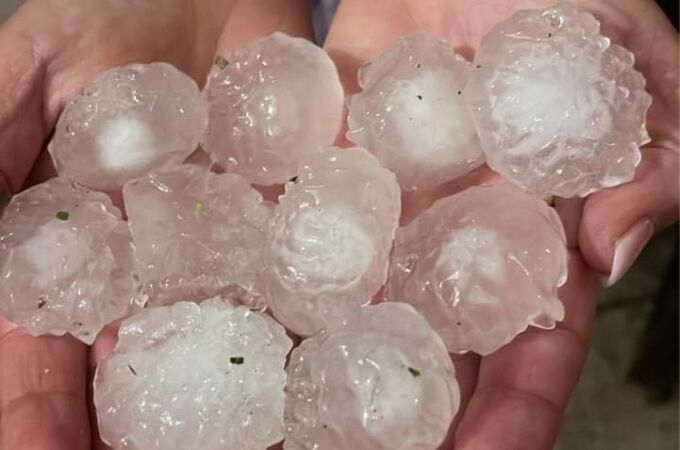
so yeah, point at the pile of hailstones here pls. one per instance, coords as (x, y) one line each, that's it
(548, 102)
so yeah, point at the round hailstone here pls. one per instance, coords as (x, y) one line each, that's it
(128, 121)
(559, 109)
(330, 238)
(66, 261)
(411, 113)
(481, 266)
(197, 234)
(191, 376)
(381, 379)
(272, 102)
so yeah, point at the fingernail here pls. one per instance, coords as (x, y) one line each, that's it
(628, 247)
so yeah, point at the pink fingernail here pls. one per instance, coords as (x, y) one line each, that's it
(628, 247)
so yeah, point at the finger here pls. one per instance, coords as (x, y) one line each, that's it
(618, 222)
(467, 367)
(522, 388)
(42, 391)
(22, 129)
(250, 20)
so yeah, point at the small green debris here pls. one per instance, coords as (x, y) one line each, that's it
(420, 97)
(221, 62)
(201, 209)
(294, 179)
(4, 200)
(655, 136)
(134, 372)
(237, 360)
(415, 372)
(63, 215)
(41, 302)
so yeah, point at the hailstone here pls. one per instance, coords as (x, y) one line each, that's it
(482, 266)
(128, 121)
(66, 260)
(329, 242)
(411, 113)
(559, 109)
(189, 376)
(197, 234)
(272, 102)
(379, 380)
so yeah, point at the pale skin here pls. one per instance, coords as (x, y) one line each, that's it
(512, 399)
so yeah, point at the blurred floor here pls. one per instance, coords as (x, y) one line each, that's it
(7, 7)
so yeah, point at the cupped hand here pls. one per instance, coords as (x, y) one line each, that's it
(515, 397)
(50, 49)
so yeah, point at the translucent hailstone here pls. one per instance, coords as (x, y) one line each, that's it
(481, 266)
(66, 261)
(381, 379)
(272, 102)
(128, 121)
(559, 109)
(191, 376)
(329, 241)
(198, 234)
(411, 113)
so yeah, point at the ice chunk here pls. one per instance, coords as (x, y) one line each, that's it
(128, 121)
(380, 379)
(191, 376)
(272, 102)
(330, 238)
(411, 113)
(482, 265)
(66, 261)
(198, 234)
(559, 109)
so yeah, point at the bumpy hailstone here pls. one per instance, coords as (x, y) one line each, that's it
(379, 380)
(66, 261)
(198, 234)
(481, 266)
(128, 121)
(411, 113)
(560, 110)
(272, 102)
(191, 376)
(330, 238)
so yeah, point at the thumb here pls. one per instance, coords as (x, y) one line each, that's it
(617, 223)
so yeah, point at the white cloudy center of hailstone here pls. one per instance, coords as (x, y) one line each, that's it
(426, 117)
(549, 96)
(53, 251)
(124, 143)
(471, 252)
(341, 246)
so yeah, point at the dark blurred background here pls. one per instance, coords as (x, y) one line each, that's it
(627, 398)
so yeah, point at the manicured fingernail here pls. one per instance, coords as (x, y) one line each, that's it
(628, 247)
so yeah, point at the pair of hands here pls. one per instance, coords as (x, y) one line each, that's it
(512, 399)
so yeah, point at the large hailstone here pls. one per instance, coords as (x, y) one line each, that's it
(128, 121)
(559, 109)
(379, 380)
(198, 234)
(272, 102)
(66, 261)
(482, 266)
(411, 113)
(191, 376)
(329, 241)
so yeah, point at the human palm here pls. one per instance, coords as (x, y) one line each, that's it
(50, 50)
(515, 397)
(511, 399)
